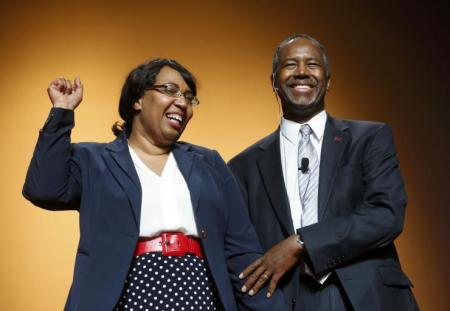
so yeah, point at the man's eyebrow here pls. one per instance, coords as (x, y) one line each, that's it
(289, 59)
(307, 58)
(315, 58)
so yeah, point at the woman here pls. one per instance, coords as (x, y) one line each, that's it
(162, 223)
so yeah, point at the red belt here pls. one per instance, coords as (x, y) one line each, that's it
(170, 244)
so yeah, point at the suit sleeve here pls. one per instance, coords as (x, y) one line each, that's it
(374, 222)
(242, 247)
(53, 179)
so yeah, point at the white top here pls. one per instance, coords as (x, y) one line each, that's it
(166, 200)
(289, 139)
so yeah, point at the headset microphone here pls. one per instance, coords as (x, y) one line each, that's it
(304, 164)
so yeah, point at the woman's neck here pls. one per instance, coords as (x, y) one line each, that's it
(146, 145)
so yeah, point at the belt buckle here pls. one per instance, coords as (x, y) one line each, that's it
(171, 244)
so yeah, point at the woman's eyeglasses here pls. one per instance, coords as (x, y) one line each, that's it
(173, 90)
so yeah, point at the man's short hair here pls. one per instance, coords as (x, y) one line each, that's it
(276, 56)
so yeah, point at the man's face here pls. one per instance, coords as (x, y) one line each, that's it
(301, 80)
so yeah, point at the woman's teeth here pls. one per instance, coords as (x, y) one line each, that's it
(175, 117)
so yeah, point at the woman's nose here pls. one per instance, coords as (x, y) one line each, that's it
(181, 102)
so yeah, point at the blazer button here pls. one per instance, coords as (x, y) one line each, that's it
(203, 233)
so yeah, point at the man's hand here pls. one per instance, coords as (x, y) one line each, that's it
(272, 266)
(65, 94)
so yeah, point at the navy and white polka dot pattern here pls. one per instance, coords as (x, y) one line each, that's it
(169, 283)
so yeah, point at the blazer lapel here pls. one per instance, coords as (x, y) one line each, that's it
(189, 164)
(334, 142)
(121, 165)
(270, 168)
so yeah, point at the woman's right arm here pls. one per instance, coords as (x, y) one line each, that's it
(53, 179)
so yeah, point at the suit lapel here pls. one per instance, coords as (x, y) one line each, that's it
(189, 164)
(121, 165)
(334, 142)
(269, 164)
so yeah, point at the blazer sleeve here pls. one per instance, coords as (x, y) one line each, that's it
(242, 246)
(53, 179)
(374, 222)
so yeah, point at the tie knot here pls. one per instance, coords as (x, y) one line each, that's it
(305, 130)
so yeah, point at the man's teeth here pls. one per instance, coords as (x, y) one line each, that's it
(175, 117)
(302, 86)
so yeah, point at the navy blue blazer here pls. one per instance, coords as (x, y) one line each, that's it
(361, 209)
(99, 180)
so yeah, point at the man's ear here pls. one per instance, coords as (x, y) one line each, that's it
(138, 105)
(272, 79)
(328, 83)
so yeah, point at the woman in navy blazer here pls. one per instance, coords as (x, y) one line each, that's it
(114, 262)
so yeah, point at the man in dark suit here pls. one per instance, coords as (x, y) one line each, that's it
(326, 197)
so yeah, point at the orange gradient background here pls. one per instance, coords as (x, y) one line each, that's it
(389, 63)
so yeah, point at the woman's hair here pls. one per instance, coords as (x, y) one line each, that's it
(140, 79)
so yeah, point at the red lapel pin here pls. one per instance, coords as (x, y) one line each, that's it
(338, 139)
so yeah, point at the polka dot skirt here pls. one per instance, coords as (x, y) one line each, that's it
(169, 283)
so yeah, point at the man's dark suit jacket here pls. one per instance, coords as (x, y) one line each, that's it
(361, 209)
(101, 182)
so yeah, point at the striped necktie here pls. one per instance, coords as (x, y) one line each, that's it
(308, 180)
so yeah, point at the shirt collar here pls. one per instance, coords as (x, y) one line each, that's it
(291, 130)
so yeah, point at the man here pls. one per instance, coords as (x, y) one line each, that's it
(326, 197)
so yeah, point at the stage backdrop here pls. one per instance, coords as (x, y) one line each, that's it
(389, 63)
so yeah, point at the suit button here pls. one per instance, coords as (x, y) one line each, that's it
(203, 233)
